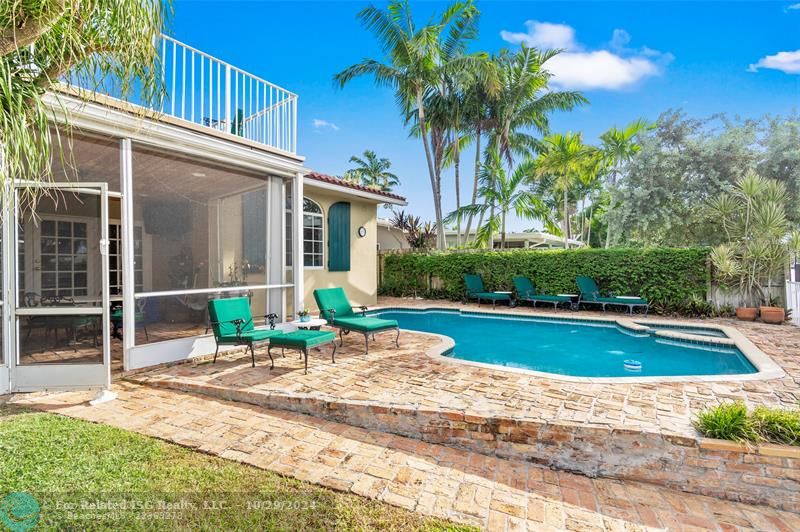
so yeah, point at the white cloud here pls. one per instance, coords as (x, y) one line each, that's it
(599, 70)
(788, 62)
(320, 124)
(543, 35)
(613, 68)
(793, 7)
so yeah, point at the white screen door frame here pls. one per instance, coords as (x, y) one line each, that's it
(63, 376)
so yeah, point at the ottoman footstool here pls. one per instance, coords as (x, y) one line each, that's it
(302, 340)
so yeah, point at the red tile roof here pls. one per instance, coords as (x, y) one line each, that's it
(346, 184)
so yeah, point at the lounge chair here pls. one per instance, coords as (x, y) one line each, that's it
(526, 291)
(336, 308)
(232, 323)
(590, 295)
(476, 290)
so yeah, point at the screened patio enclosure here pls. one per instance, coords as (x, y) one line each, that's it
(123, 250)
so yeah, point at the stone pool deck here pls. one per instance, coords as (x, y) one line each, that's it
(639, 431)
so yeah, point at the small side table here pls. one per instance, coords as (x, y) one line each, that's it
(312, 324)
(574, 298)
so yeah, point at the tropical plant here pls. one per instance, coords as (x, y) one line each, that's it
(420, 236)
(513, 116)
(619, 146)
(752, 216)
(503, 193)
(684, 162)
(373, 171)
(91, 44)
(418, 60)
(566, 160)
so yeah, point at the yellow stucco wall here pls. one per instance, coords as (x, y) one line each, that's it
(360, 283)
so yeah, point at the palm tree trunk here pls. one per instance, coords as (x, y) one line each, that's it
(437, 202)
(475, 184)
(566, 219)
(503, 234)
(457, 164)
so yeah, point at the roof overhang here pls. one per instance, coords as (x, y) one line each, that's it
(108, 120)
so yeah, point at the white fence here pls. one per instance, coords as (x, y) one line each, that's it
(793, 300)
(214, 94)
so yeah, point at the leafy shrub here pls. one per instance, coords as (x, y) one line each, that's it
(671, 279)
(777, 425)
(727, 421)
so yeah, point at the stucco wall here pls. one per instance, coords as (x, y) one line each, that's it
(360, 283)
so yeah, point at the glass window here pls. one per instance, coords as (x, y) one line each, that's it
(63, 252)
(115, 259)
(312, 234)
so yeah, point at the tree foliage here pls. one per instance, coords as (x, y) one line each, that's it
(107, 45)
(685, 162)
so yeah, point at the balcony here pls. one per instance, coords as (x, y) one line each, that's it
(213, 94)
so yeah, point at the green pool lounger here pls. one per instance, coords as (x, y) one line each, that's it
(590, 295)
(476, 290)
(526, 291)
(232, 324)
(336, 308)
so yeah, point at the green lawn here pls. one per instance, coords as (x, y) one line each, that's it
(66, 463)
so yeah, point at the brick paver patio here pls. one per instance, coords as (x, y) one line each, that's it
(407, 376)
(431, 479)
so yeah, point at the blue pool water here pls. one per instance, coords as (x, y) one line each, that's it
(570, 348)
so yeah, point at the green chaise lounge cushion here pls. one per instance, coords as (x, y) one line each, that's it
(526, 291)
(475, 289)
(302, 339)
(365, 324)
(251, 336)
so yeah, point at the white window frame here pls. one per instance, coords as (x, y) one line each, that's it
(34, 251)
(321, 216)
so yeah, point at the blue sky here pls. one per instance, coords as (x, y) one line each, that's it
(631, 59)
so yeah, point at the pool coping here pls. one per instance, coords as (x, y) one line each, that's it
(765, 366)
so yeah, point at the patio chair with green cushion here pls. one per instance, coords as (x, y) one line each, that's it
(590, 295)
(232, 323)
(526, 291)
(476, 290)
(336, 308)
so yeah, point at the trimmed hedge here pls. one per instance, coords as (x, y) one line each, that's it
(668, 277)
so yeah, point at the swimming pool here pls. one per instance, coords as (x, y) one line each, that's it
(570, 347)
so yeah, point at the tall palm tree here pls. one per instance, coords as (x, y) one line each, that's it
(564, 159)
(518, 113)
(619, 146)
(418, 58)
(504, 193)
(373, 171)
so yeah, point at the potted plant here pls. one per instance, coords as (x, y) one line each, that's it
(772, 312)
(304, 315)
(753, 217)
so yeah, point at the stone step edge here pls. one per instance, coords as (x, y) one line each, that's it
(715, 468)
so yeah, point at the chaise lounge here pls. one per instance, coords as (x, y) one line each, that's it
(526, 291)
(336, 308)
(476, 290)
(590, 295)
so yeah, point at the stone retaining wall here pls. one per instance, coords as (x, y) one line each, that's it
(768, 474)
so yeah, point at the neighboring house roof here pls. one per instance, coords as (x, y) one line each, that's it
(540, 237)
(387, 197)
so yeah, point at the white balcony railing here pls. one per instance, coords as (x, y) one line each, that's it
(212, 93)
